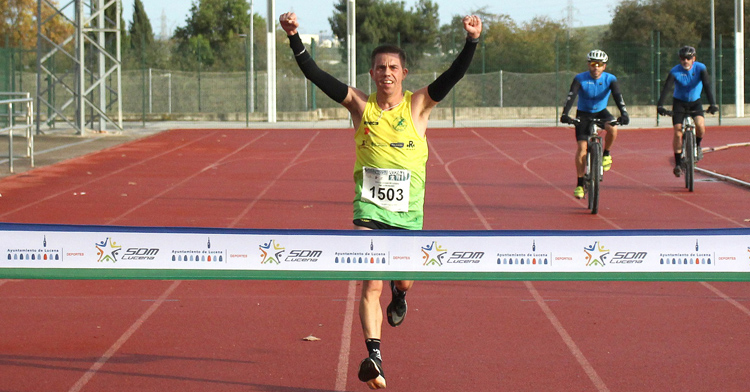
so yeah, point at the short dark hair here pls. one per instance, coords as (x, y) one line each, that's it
(390, 49)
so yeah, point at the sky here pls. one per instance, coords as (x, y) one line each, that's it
(314, 14)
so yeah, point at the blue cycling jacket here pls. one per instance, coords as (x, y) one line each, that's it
(593, 94)
(688, 84)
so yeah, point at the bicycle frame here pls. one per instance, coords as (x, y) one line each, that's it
(594, 160)
(689, 151)
(594, 169)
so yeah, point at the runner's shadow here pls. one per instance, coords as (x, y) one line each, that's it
(119, 359)
(27, 362)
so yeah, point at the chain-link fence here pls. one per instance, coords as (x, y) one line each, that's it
(6, 73)
(169, 94)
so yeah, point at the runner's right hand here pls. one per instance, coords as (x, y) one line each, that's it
(661, 110)
(289, 23)
(565, 119)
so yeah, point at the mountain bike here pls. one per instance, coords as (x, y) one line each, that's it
(689, 149)
(594, 157)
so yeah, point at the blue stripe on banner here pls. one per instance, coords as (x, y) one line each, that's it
(385, 233)
(121, 252)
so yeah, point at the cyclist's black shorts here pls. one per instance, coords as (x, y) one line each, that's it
(375, 225)
(582, 133)
(680, 108)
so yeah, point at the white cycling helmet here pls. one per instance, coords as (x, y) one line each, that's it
(597, 55)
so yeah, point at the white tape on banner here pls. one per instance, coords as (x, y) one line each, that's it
(140, 248)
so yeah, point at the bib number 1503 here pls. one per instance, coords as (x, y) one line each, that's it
(386, 194)
(387, 188)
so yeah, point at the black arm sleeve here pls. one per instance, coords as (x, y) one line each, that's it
(572, 94)
(617, 96)
(707, 87)
(440, 88)
(331, 86)
(668, 84)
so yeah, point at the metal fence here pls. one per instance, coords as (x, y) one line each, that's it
(18, 105)
(171, 94)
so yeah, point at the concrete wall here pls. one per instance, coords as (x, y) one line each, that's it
(473, 113)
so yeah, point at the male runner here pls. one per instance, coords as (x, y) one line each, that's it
(391, 157)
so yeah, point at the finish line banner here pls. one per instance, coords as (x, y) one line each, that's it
(113, 252)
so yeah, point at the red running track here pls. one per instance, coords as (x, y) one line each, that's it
(459, 336)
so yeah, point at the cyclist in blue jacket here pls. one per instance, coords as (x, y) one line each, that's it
(593, 89)
(689, 78)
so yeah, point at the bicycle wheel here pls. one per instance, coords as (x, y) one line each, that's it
(688, 151)
(595, 176)
(587, 178)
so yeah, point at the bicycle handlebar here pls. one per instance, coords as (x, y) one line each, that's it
(670, 113)
(598, 121)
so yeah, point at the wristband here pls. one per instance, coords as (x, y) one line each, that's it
(295, 42)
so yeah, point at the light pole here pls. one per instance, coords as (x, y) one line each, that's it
(252, 59)
(351, 39)
(271, 60)
(247, 81)
(739, 57)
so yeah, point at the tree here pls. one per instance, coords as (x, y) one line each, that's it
(528, 48)
(679, 22)
(388, 22)
(219, 23)
(18, 23)
(635, 21)
(141, 36)
(110, 14)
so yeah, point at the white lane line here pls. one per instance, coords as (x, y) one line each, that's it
(272, 183)
(727, 298)
(662, 192)
(184, 180)
(593, 376)
(78, 186)
(680, 197)
(61, 147)
(550, 183)
(346, 338)
(461, 189)
(121, 341)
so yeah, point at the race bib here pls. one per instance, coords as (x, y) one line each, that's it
(387, 188)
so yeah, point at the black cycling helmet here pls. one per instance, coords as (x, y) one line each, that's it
(687, 52)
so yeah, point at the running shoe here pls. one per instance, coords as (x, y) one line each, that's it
(607, 162)
(700, 153)
(677, 171)
(371, 373)
(578, 192)
(397, 308)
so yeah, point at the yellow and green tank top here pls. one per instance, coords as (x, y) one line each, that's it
(389, 173)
